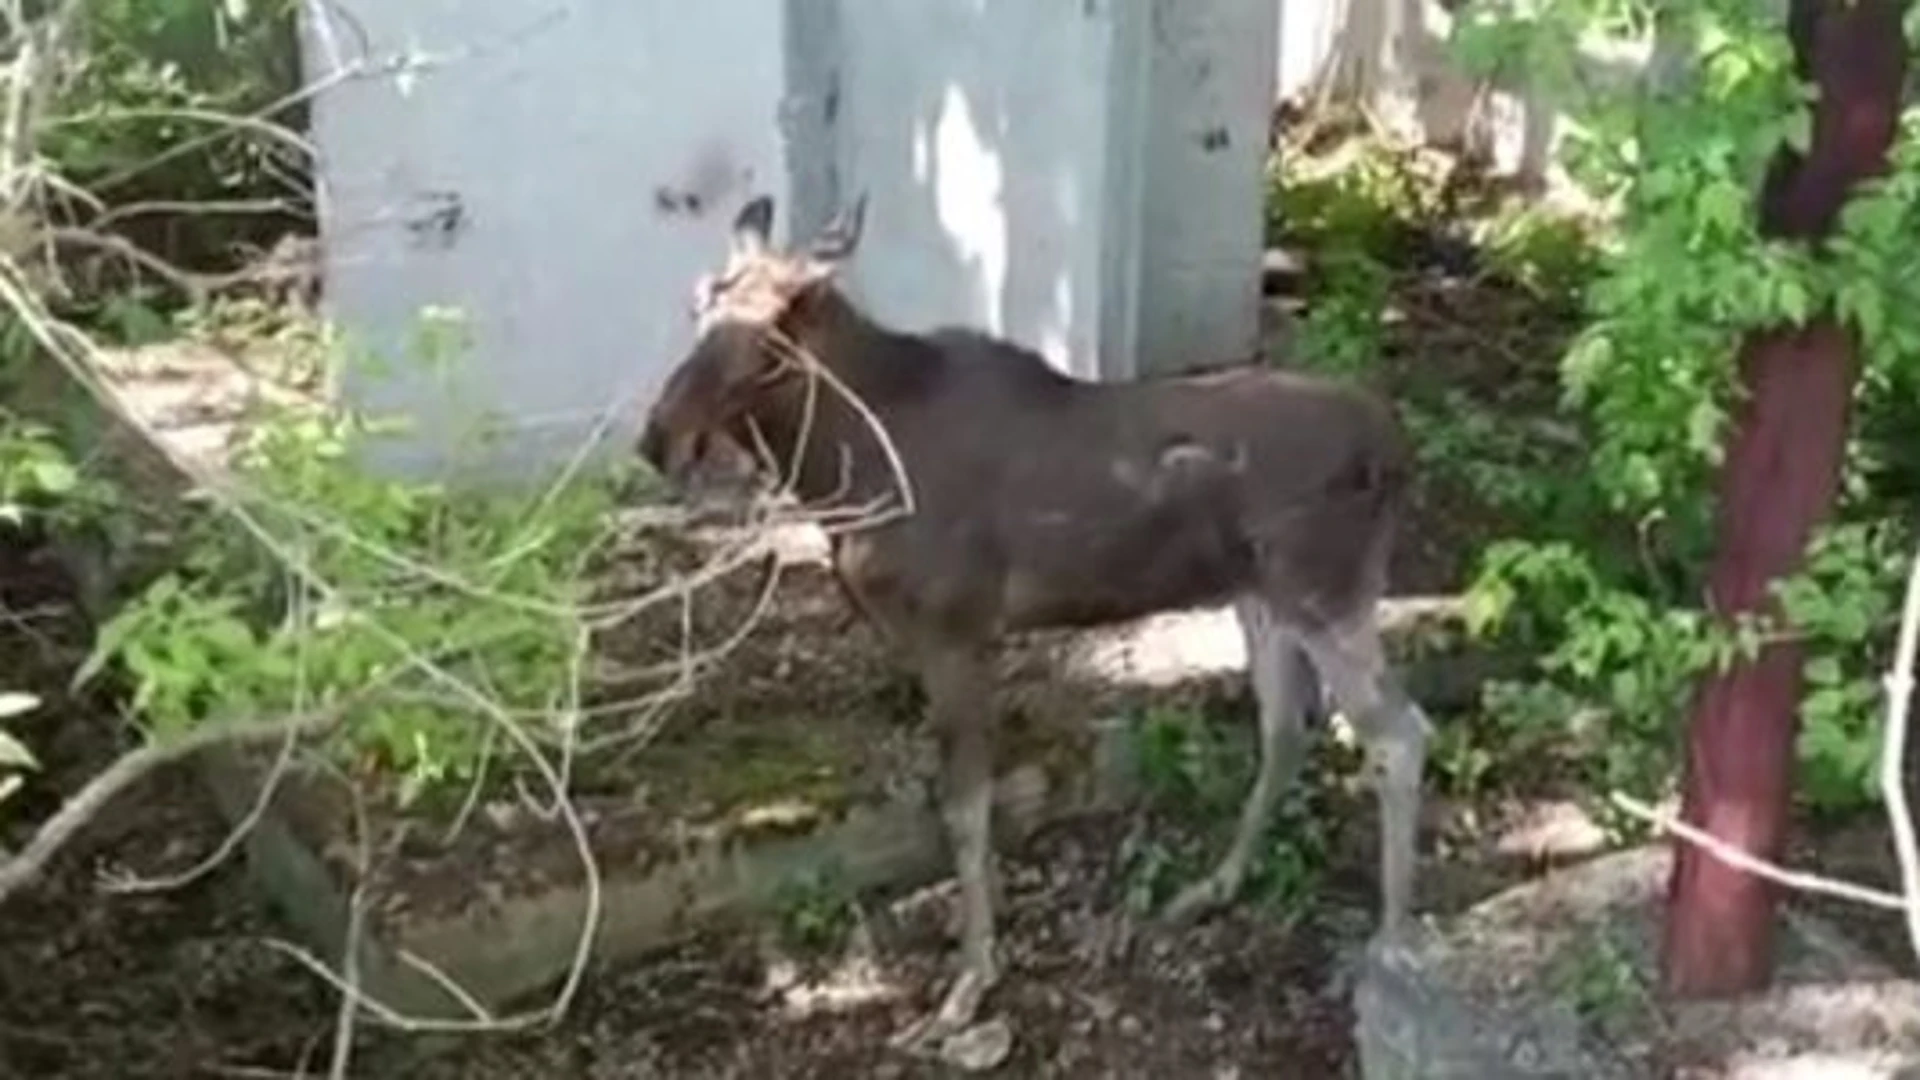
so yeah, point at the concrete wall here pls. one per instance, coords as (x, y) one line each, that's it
(982, 133)
(1082, 176)
(561, 175)
(1204, 207)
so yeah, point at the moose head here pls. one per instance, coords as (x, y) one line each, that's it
(746, 318)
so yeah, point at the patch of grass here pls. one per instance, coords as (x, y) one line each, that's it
(1596, 977)
(814, 910)
(1196, 780)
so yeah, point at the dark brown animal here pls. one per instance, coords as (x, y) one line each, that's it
(1028, 499)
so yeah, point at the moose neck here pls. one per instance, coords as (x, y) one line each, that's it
(841, 458)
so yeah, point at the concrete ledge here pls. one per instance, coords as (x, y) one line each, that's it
(505, 935)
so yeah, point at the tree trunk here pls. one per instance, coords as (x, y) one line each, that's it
(1778, 482)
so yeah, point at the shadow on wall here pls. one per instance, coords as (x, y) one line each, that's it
(956, 236)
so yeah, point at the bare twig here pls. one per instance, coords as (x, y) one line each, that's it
(1893, 753)
(77, 811)
(446, 982)
(127, 883)
(1758, 867)
(353, 939)
(196, 207)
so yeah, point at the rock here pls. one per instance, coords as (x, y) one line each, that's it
(1552, 830)
(1555, 978)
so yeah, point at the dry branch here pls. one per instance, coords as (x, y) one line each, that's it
(77, 811)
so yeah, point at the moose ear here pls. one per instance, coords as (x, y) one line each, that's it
(841, 236)
(753, 226)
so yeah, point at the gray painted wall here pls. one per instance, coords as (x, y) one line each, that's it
(561, 178)
(980, 132)
(1205, 163)
(1079, 175)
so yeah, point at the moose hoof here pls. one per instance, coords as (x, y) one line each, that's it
(929, 1034)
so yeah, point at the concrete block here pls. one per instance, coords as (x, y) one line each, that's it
(1557, 979)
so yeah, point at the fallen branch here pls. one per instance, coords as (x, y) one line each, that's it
(76, 812)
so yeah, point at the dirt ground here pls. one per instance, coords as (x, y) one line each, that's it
(180, 984)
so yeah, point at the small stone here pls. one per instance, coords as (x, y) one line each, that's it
(979, 1048)
(500, 814)
(1556, 829)
(1130, 1025)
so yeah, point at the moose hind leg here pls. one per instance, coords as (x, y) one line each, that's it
(1394, 729)
(959, 701)
(1281, 681)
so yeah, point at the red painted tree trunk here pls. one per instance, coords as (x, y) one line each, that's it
(1778, 482)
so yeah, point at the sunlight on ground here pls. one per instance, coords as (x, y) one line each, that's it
(780, 814)
(854, 982)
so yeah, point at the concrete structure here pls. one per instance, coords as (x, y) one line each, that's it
(1083, 176)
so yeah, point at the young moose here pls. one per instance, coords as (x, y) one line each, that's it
(1036, 500)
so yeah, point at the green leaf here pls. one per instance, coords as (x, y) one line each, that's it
(14, 753)
(1794, 302)
(1796, 131)
(52, 475)
(17, 703)
(1723, 205)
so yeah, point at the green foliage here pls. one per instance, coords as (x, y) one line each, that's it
(1623, 641)
(1341, 333)
(168, 115)
(443, 598)
(40, 487)
(37, 478)
(1548, 253)
(1608, 505)
(1843, 607)
(1362, 208)
(1194, 776)
(814, 909)
(153, 75)
(1596, 977)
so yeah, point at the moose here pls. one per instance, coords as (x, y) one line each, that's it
(1031, 500)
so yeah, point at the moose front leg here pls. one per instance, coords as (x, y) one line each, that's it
(960, 706)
